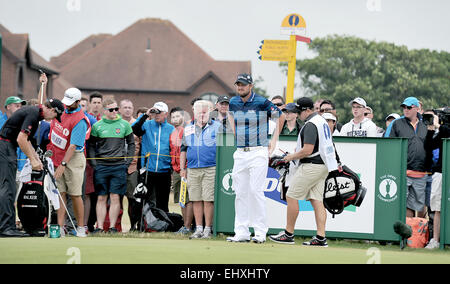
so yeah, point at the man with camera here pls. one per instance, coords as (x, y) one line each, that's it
(156, 142)
(438, 129)
(411, 127)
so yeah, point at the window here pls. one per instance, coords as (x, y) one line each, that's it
(20, 82)
(148, 49)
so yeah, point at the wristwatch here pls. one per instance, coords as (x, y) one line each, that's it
(63, 164)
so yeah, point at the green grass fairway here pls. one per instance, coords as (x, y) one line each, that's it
(166, 248)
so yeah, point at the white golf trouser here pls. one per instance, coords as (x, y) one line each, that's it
(249, 179)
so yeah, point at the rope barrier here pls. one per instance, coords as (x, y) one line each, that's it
(105, 158)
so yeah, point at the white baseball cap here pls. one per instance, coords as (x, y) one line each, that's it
(71, 95)
(394, 115)
(360, 101)
(161, 106)
(328, 115)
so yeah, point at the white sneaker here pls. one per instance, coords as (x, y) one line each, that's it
(81, 232)
(237, 239)
(207, 233)
(433, 244)
(259, 239)
(62, 231)
(197, 234)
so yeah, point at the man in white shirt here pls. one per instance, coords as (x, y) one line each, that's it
(359, 126)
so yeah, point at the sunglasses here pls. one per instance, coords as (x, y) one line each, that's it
(366, 113)
(112, 109)
(278, 104)
(408, 107)
(326, 109)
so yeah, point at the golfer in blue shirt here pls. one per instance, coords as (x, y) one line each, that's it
(249, 114)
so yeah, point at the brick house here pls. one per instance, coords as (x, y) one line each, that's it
(20, 68)
(150, 61)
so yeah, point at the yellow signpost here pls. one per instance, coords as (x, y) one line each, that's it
(276, 50)
(285, 50)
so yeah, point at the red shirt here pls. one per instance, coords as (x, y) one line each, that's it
(176, 139)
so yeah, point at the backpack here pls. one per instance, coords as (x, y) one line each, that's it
(420, 232)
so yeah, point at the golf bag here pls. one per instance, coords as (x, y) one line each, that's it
(156, 220)
(342, 188)
(33, 205)
(152, 219)
(282, 167)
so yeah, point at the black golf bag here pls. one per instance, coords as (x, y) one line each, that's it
(342, 188)
(33, 205)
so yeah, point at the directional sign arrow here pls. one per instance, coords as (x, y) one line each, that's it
(274, 58)
(303, 39)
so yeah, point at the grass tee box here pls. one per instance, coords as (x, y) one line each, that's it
(165, 248)
(381, 165)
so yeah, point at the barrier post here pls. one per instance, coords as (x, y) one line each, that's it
(444, 237)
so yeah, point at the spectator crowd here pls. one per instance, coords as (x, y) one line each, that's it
(112, 146)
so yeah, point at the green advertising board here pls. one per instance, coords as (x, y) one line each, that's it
(381, 165)
(445, 201)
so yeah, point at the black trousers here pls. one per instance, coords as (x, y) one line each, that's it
(158, 186)
(8, 171)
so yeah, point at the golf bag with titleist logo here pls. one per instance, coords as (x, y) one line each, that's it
(342, 188)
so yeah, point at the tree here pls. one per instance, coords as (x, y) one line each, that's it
(382, 73)
(258, 89)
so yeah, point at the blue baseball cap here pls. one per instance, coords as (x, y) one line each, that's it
(291, 107)
(410, 101)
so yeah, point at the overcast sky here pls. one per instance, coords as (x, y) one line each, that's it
(233, 29)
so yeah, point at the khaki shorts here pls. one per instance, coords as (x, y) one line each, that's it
(308, 182)
(71, 182)
(436, 192)
(200, 183)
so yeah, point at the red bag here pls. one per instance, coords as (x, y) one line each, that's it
(420, 232)
(106, 223)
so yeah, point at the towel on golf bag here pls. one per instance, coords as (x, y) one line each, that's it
(156, 220)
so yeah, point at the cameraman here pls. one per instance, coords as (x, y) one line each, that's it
(433, 140)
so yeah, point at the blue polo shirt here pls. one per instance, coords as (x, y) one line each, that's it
(251, 120)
